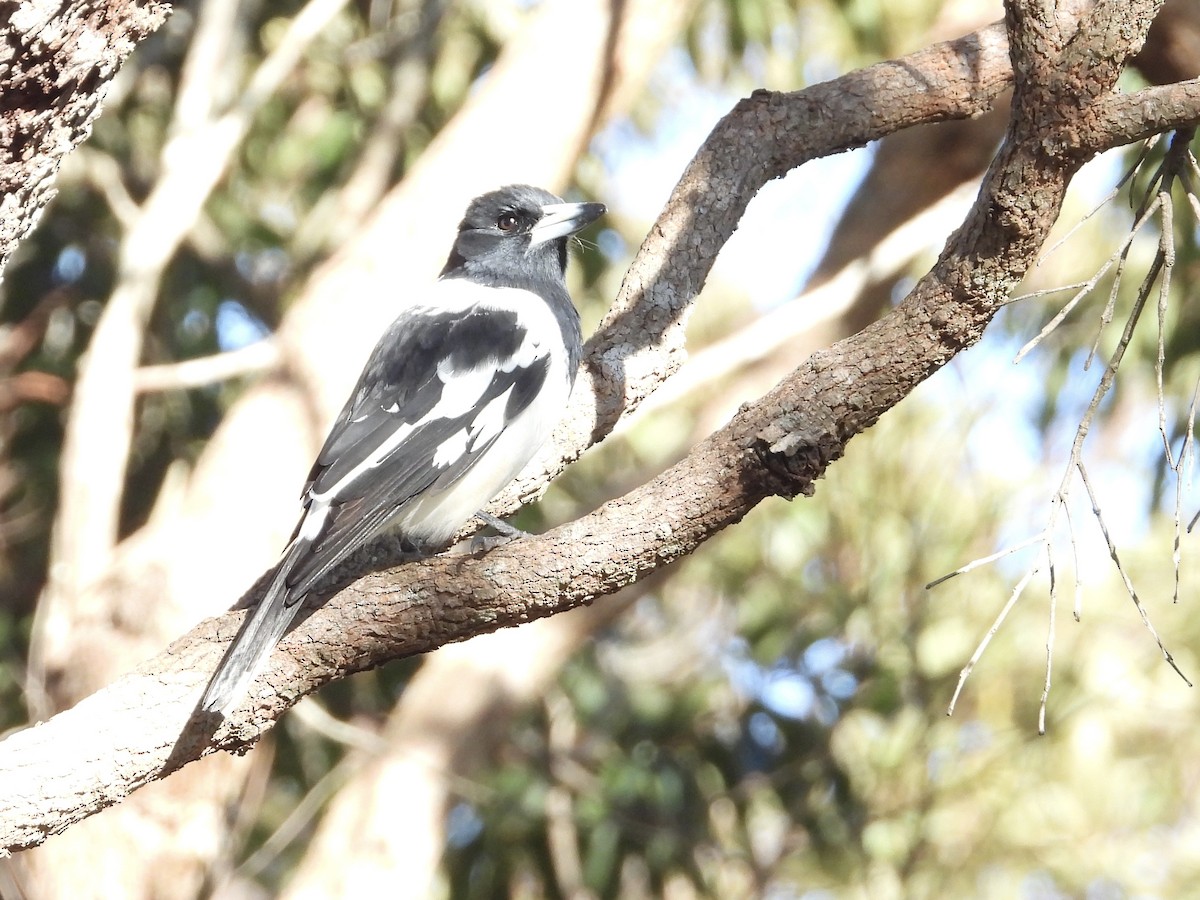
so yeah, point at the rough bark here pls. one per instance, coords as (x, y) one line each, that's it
(142, 727)
(57, 61)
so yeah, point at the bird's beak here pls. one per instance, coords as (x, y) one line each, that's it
(560, 219)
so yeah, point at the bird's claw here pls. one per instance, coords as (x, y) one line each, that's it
(502, 528)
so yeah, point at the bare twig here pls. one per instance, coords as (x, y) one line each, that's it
(1147, 145)
(299, 818)
(1049, 640)
(778, 328)
(103, 173)
(261, 356)
(987, 638)
(1156, 199)
(1187, 456)
(1089, 285)
(1043, 292)
(1077, 604)
(316, 718)
(337, 213)
(561, 833)
(1110, 306)
(1166, 246)
(1112, 552)
(1039, 538)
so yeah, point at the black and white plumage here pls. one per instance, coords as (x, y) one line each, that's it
(459, 393)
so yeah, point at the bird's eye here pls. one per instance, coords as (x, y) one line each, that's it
(507, 222)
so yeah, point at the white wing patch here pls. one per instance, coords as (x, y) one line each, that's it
(460, 391)
(314, 520)
(483, 428)
(451, 449)
(377, 456)
(490, 421)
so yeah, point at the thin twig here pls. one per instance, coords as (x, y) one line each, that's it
(1112, 552)
(1040, 537)
(1112, 195)
(777, 330)
(1110, 306)
(1189, 448)
(102, 172)
(1187, 173)
(99, 432)
(1077, 604)
(1049, 638)
(1046, 291)
(1083, 292)
(1162, 263)
(298, 819)
(1166, 247)
(312, 714)
(987, 638)
(562, 835)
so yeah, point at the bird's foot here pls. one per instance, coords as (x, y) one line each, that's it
(482, 543)
(502, 527)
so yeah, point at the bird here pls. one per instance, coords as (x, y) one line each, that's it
(456, 397)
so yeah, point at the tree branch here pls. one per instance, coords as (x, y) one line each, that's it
(640, 343)
(1129, 118)
(59, 61)
(261, 356)
(142, 727)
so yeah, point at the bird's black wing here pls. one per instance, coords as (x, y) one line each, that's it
(412, 423)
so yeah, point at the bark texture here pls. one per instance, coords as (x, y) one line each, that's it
(57, 61)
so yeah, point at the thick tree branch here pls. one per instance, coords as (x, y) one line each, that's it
(142, 727)
(1128, 118)
(640, 343)
(57, 61)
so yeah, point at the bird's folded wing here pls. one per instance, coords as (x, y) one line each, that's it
(436, 393)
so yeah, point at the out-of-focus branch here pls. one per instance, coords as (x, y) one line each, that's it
(813, 311)
(261, 356)
(26, 387)
(1172, 50)
(78, 629)
(776, 446)
(100, 428)
(430, 747)
(338, 214)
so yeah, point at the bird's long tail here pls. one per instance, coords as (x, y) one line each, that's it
(261, 631)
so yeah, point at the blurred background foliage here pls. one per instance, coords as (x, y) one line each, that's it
(768, 719)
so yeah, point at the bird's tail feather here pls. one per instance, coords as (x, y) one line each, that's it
(261, 631)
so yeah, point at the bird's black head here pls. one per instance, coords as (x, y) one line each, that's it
(517, 236)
